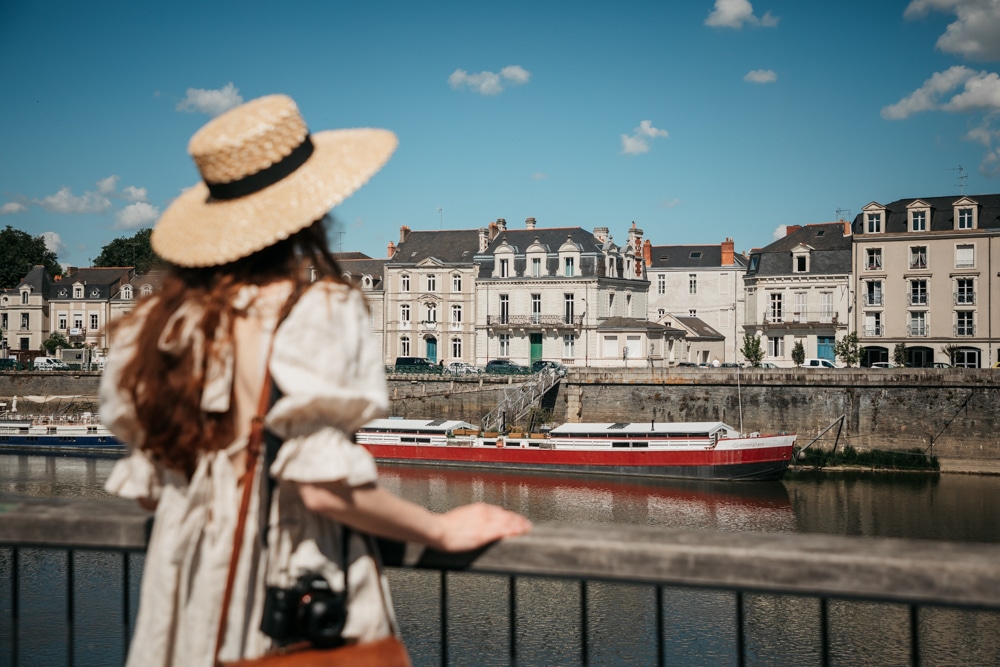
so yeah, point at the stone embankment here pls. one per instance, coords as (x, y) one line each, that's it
(953, 414)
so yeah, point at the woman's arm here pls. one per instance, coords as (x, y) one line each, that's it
(374, 510)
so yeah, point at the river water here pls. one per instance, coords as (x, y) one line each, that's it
(621, 618)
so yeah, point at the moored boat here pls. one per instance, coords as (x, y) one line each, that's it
(700, 450)
(57, 435)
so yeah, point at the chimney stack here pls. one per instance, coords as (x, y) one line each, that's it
(404, 231)
(847, 228)
(647, 252)
(501, 224)
(601, 233)
(391, 250)
(529, 223)
(728, 252)
(791, 229)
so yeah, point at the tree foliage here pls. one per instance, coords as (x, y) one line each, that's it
(848, 349)
(54, 342)
(132, 250)
(752, 350)
(19, 252)
(798, 353)
(899, 354)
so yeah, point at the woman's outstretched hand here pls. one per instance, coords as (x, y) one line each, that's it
(472, 526)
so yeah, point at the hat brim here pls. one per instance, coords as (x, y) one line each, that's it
(198, 231)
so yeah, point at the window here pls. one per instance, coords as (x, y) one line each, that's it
(919, 221)
(431, 283)
(536, 267)
(965, 293)
(964, 325)
(873, 324)
(3, 322)
(404, 315)
(504, 345)
(127, 292)
(569, 346)
(24, 298)
(874, 262)
(692, 283)
(918, 257)
(504, 268)
(661, 284)
(568, 303)
(628, 305)
(693, 313)
(78, 291)
(404, 346)
(965, 256)
(873, 293)
(777, 307)
(918, 292)
(93, 322)
(874, 223)
(800, 313)
(404, 283)
(536, 308)
(456, 314)
(965, 218)
(918, 323)
(754, 263)
(776, 346)
(78, 321)
(660, 312)
(25, 321)
(611, 304)
(62, 321)
(456, 348)
(801, 264)
(456, 282)
(504, 309)
(432, 313)
(570, 266)
(147, 290)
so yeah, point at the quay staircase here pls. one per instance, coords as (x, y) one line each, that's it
(518, 400)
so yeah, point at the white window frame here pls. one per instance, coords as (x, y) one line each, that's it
(503, 345)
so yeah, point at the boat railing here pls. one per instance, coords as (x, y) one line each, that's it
(782, 598)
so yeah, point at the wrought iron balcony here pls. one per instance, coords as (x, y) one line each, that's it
(965, 298)
(873, 299)
(965, 329)
(533, 321)
(875, 331)
(917, 330)
(918, 298)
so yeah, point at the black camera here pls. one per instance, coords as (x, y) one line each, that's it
(308, 611)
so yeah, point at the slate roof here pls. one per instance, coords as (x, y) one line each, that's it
(447, 246)
(38, 279)
(691, 257)
(105, 281)
(831, 252)
(551, 237)
(357, 268)
(699, 328)
(942, 216)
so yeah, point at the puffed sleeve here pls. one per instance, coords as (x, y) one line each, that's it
(134, 476)
(329, 369)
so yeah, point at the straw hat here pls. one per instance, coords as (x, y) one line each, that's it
(264, 178)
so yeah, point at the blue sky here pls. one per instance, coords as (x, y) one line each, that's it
(698, 120)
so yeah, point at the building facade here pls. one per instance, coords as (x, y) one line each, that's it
(24, 313)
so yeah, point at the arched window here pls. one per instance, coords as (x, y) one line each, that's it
(404, 346)
(127, 292)
(24, 297)
(146, 290)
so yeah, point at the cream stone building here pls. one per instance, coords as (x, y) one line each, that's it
(24, 313)
(80, 304)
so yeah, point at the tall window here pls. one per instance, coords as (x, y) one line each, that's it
(965, 256)
(62, 321)
(432, 312)
(873, 323)
(965, 292)
(964, 324)
(504, 308)
(78, 291)
(456, 314)
(569, 346)
(404, 346)
(918, 323)
(24, 298)
(874, 223)
(536, 308)
(127, 292)
(78, 321)
(661, 284)
(800, 264)
(568, 308)
(965, 218)
(692, 283)
(918, 292)
(504, 268)
(25, 322)
(918, 257)
(93, 322)
(826, 307)
(404, 314)
(456, 282)
(874, 262)
(536, 267)
(404, 283)
(431, 283)
(3, 322)
(777, 307)
(776, 346)
(146, 290)
(611, 304)
(456, 348)
(873, 293)
(801, 311)
(504, 343)
(570, 266)
(919, 221)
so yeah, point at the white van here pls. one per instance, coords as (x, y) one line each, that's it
(819, 363)
(50, 364)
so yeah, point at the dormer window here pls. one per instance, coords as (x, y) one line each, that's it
(570, 266)
(77, 291)
(918, 214)
(127, 292)
(504, 268)
(874, 223)
(965, 218)
(24, 297)
(801, 263)
(146, 290)
(966, 213)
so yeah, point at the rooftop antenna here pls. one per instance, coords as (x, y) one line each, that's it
(441, 217)
(340, 241)
(841, 217)
(962, 178)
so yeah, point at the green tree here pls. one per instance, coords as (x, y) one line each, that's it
(751, 350)
(899, 354)
(132, 250)
(848, 350)
(950, 350)
(54, 342)
(798, 353)
(19, 252)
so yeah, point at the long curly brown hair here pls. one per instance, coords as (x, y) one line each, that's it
(166, 388)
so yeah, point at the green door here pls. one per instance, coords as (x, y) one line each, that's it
(432, 349)
(536, 347)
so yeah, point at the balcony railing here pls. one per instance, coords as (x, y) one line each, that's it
(965, 298)
(802, 317)
(875, 331)
(918, 298)
(874, 265)
(965, 329)
(917, 330)
(932, 584)
(873, 299)
(918, 263)
(529, 321)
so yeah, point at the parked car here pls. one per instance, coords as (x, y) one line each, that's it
(505, 367)
(767, 364)
(819, 363)
(941, 364)
(883, 364)
(50, 364)
(416, 365)
(462, 368)
(11, 365)
(686, 364)
(556, 367)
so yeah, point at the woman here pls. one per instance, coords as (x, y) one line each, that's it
(186, 369)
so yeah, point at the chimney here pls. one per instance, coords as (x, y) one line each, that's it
(847, 228)
(501, 224)
(484, 239)
(647, 252)
(404, 231)
(728, 251)
(391, 250)
(635, 238)
(791, 229)
(494, 230)
(601, 233)
(529, 223)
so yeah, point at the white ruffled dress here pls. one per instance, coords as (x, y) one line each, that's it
(331, 377)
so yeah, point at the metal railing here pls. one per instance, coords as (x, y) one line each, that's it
(965, 298)
(519, 399)
(874, 331)
(873, 299)
(965, 329)
(757, 574)
(917, 329)
(917, 298)
(534, 320)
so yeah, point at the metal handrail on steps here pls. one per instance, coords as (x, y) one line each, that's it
(518, 399)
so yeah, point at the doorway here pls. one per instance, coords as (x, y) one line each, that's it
(536, 347)
(432, 349)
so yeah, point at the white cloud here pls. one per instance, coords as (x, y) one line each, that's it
(539, 176)
(53, 242)
(639, 141)
(761, 76)
(980, 92)
(107, 185)
(670, 203)
(65, 201)
(973, 34)
(779, 232)
(12, 207)
(735, 13)
(489, 83)
(211, 102)
(990, 139)
(139, 214)
(134, 194)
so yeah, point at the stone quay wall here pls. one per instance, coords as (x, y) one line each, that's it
(950, 413)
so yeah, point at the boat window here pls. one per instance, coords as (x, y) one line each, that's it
(640, 444)
(618, 425)
(619, 444)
